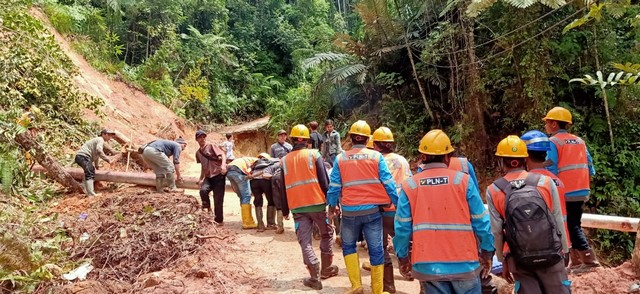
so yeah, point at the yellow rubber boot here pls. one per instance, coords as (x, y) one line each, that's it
(353, 269)
(377, 274)
(247, 218)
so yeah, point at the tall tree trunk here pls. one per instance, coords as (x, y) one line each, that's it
(413, 68)
(27, 142)
(475, 98)
(604, 91)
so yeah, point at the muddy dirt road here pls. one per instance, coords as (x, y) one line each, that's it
(278, 259)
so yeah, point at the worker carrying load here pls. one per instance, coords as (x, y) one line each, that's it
(526, 213)
(304, 189)
(363, 184)
(237, 172)
(261, 172)
(569, 159)
(87, 158)
(440, 209)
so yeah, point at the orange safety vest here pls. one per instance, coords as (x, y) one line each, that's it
(441, 219)
(244, 163)
(400, 171)
(359, 170)
(573, 164)
(460, 164)
(498, 197)
(561, 192)
(301, 178)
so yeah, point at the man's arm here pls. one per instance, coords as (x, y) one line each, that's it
(335, 186)
(321, 172)
(557, 213)
(592, 168)
(284, 204)
(402, 225)
(336, 140)
(480, 220)
(496, 226)
(100, 150)
(387, 180)
(472, 175)
(552, 159)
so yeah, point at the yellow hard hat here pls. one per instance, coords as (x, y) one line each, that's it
(383, 134)
(435, 142)
(360, 127)
(560, 114)
(264, 155)
(300, 131)
(512, 146)
(370, 142)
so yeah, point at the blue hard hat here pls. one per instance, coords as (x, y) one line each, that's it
(536, 141)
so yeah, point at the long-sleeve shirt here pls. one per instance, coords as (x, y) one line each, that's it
(331, 144)
(323, 181)
(335, 187)
(496, 204)
(552, 158)
(169, 148)
(93, 149)
(480, 224)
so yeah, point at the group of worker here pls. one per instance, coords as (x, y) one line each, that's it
(442, 233)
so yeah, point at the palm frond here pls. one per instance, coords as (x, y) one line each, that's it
(323, 57)
(342, 73)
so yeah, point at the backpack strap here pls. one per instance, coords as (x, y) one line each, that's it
(503, 185)
(532, 179)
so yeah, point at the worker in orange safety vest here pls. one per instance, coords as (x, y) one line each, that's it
(570, 160)
(440, 209)
(305, 186)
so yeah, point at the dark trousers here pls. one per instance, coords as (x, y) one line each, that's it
(87, 166)
(260, 187)
(215, 184)
(276, 180)
(551, 280)
(576, 235)
(387, 230)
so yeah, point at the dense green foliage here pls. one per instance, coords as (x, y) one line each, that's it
(35, 76)
(410, 65)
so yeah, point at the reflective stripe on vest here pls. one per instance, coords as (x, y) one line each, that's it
(359, 171)
(442, 231)
(573, 164)
(301, 179)
(460, 164)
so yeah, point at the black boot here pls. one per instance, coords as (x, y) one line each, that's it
(313, 281)
(271, 218)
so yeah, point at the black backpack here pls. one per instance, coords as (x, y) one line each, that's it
(530, 229)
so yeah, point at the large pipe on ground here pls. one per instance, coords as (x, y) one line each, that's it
(143, 179)
(597, 221)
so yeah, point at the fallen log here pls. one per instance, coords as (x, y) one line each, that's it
(28, 143)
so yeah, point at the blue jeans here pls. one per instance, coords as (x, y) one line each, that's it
(453, 287)
(371, 226)
(240, 184)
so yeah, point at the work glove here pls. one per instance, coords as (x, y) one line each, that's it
(404, 265)
(486, 261)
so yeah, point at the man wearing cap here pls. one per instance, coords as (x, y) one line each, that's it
(156, 154)
(214, 166)
(88, 155)
(282, 147)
